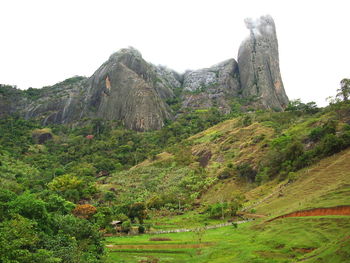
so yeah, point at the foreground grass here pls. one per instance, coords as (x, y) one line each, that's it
(313, 239)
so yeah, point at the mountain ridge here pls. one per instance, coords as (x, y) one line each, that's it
(128, 89)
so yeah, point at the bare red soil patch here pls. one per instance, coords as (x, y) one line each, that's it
(327, 211)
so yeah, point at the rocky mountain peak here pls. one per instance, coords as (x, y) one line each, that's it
(265, 25)
(130, 51)
(258, 62)
(128, 89)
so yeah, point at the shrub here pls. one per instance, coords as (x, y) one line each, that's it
(137, 210)
(246, 121)
(226, 173)
(126, 226)
(319, 132)
(316, 133)
(223, 209)
(246, 171)
(262, 176)
(258, 138)
(154, 202)
(331, 144)
(141, 229)
(292, 177)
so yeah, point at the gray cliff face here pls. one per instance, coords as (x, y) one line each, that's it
(125, 88)
(212, 86)
(258, 63)
(129, 89)
(61, 103)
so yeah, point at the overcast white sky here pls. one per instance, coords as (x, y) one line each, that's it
(46, 41)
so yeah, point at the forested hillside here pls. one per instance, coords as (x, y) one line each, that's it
(61, 186)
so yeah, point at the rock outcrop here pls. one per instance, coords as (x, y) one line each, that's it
(128, 89)
(213, 86)
(125, 88)
(258, 63)
(61, 103)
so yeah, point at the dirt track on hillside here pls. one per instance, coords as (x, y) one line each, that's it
(327, 211)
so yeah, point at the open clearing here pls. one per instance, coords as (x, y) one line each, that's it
(286, 240)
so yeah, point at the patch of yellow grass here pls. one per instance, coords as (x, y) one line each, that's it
(162, 157)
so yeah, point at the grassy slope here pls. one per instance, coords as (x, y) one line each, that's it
(325, 184)
(228, 143)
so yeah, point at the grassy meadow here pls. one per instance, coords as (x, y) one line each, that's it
(311, 239)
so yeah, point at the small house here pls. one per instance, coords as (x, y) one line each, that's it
(117, 224)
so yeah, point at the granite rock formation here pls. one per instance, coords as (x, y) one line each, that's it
(212, 86)
(258, 63)
(125, 88)
(128, 89)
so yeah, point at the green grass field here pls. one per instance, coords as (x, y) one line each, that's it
(311, 239)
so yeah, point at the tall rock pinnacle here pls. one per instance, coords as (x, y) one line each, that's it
(258, 63)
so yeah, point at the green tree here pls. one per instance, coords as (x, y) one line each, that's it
(344, 91)
(19, 242)
(137, 210)
(29, 206)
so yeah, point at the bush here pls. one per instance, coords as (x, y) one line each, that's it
(246, 171)
(246, 121)
(319, 132)
(262, 176)
(220, 210)
(292, 177)
(141, 229)
(226, 173)
(126, 226)
(137, 210)
(331, 144)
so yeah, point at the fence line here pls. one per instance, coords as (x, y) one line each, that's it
(194, 229)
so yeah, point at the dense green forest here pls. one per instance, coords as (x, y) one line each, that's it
(62, 186)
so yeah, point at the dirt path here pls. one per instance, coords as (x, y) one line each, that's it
(326, 211)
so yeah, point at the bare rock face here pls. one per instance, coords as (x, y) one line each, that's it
(212, 86)
(258, 63)
(60, 103)
(128, 89)
(125, 88)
